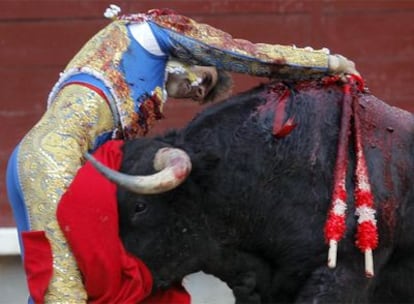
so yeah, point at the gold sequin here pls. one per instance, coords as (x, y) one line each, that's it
(102, 54)
(49, 157)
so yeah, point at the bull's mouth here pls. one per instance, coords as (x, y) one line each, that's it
(171, 274)
(167, 272)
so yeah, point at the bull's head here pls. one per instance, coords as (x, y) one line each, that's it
(152, 224)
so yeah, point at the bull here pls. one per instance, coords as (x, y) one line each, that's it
(253, 209)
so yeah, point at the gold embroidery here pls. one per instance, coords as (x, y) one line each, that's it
(49, 157)
(102, 54)
(238, 55)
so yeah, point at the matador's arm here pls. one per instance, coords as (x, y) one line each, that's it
(202, 44)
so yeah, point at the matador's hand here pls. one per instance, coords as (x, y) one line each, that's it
(339, 64)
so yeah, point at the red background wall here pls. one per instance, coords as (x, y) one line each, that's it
(38, 38)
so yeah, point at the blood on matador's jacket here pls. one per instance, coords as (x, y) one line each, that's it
(298, 192)
(114, 87)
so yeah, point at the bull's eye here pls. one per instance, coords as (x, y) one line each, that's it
(140, 207)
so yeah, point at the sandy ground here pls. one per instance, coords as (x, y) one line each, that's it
(13, 288)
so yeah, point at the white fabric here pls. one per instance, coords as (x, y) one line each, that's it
(143, 34)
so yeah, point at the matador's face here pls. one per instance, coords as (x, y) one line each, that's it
(179, 85)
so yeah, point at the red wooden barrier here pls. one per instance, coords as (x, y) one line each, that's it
(38, 38)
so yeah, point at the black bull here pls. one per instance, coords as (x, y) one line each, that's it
(253, 209)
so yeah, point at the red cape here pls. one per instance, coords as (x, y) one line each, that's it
(88, 217)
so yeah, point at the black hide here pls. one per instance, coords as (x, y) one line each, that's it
(253, 210)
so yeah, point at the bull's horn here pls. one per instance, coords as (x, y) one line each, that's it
(174, 165)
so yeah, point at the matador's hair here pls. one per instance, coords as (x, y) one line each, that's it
(222, 89)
